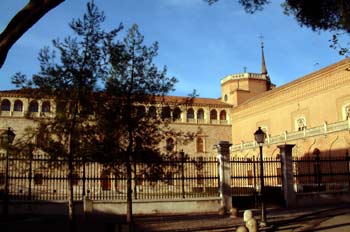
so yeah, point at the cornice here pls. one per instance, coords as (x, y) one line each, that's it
(325, 79)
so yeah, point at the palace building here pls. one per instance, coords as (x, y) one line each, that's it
(312, 112)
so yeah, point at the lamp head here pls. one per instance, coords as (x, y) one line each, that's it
(259, 136)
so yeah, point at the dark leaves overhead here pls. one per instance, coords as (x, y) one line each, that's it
(250, 6)
(320, 14)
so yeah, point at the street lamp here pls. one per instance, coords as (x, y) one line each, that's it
(259, 136)
(7, 138)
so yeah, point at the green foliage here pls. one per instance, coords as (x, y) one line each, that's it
(134, 82)
(69, 74)
(339, 46)
(250, 6)
(330, 15)
(319, 15)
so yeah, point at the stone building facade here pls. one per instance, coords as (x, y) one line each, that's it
(312, 112)
(207, 119)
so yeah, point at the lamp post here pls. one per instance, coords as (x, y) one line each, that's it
(7, 138)
(259, 136)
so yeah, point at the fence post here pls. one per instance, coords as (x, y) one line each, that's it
(255, 182)
(135, 181)
(347, 168)
(223, 156)
(84, 177)
(5, 201)
(287, 174)
(317, 169)
(182, 173)
(30, 177)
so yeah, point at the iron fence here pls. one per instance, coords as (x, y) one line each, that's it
(321, 174)
(245, 175)
(40, 178)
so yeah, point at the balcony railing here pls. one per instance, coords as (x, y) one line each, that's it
(289, 136)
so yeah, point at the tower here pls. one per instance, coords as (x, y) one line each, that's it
(240, 87)
(264, 72)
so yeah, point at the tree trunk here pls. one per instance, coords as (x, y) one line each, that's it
(129, 216)
(71, 152)
(71, 216)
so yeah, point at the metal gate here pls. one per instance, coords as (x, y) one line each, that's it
(245, 182)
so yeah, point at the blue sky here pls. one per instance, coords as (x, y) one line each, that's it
(200, 44)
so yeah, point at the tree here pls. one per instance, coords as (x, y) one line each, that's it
(131, 135)
(322, 15)
(249, 5)
(22, 21)
(330, 15)
(70, 79)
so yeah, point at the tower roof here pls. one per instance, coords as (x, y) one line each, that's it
(263, 65)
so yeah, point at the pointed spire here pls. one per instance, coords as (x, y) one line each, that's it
(263, 65)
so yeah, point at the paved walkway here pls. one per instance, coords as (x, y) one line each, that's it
(326, 219)
(323, 219)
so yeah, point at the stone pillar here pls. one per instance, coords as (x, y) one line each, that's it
(287, 175)
(223, 148)
(87, 206)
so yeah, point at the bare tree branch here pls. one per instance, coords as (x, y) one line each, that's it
(22, 21)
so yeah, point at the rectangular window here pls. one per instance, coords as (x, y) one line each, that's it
(75, 179)
(38, 179)
(2, 178)
(139, 179)
(169, 178)
(105, 181)
(200, 179)
(250, 177)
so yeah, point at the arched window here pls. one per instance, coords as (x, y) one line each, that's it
(170, 145)
(316, 152)
(46, 107)
(18, 106)
(300, 123)
(105, 180)
(346, 112)
(177, 114)
(5, 105)
(200, 145)
(223, 115)
(213, 115)
(190, 113)
(33, 106)
(166, 112)
(152, 112)
(200, 114)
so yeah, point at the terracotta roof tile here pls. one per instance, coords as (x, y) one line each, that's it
(158, 99)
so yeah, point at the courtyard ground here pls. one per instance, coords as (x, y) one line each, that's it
(324, 219)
